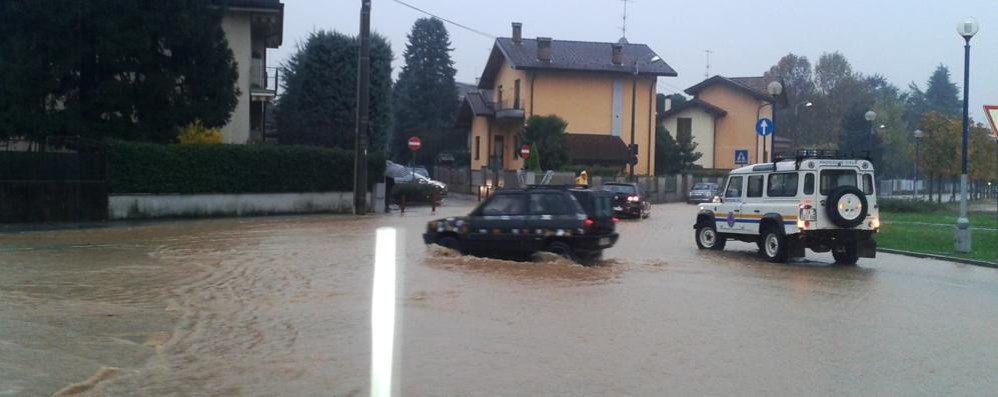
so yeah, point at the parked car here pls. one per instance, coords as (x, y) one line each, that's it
(703, 192)
(823, 202)
(628, 200)
(520, 222)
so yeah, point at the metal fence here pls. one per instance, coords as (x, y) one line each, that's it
(59, 180)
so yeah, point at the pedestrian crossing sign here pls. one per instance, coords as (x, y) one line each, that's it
(741, 157)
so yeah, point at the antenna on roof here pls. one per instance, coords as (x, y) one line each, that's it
(706, 74)
(623, 26)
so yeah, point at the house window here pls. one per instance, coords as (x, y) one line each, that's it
(478, 147)
(684, 127)
(499, 98)
(516, 94)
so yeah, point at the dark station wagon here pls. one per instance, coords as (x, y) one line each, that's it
(577, 224)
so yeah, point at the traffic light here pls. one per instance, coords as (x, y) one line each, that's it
(633, 149)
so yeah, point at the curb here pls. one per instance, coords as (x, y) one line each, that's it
(940, 257)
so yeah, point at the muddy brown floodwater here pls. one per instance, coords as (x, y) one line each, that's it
(281, 306)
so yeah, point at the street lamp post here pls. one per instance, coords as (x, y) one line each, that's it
(632, 148)
(806, 104)
(870, 116)
(967, 29)
(775, 88)
(918, 140)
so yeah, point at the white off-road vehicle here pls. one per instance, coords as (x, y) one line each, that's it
(817, 200)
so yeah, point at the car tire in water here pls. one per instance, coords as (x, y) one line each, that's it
(774, 245)
(842, 203)
(561, 249)
(707, 237)
(846, 254)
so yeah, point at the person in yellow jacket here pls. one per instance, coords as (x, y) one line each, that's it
(583, 179)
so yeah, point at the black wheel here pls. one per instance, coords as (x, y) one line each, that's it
(708, 238)
(846, 254)
(450, 242)
(774, 246)
(561, 249)
(847, 206)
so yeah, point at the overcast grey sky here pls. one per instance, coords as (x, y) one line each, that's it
(903, 40)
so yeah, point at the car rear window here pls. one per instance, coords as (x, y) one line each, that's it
(596, 205)
(626, 189)
(703, 186)
(832, 179)
(868, 184)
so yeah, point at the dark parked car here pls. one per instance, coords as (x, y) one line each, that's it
(520, 222)
(628, 200)
(703, 192)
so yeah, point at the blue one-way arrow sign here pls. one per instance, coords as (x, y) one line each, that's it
(764, 127)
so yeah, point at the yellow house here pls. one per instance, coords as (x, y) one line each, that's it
(593, 86)
(721, 117)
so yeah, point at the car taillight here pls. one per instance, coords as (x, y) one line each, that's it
(633, 199)
(588, 224)
(614, 220)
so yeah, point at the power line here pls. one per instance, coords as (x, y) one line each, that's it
(473, 30)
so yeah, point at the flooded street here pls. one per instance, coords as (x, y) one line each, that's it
(281, 306)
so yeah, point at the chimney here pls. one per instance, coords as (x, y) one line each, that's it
(517, 33)
(618, 54)
(544, 49)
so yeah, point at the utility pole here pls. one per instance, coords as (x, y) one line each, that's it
(363, 99)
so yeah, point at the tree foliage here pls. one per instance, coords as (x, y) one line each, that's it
(425, 96)
(125, 69)
(666, 158)
(319, 103)
(547, 134)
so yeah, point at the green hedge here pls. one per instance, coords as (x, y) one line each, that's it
(190, 169)
(415, 192)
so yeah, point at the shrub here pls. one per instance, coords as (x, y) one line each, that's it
(191, 169)
(902, 205)
(197, 133)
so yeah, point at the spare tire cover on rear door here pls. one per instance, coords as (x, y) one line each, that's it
(847, 206)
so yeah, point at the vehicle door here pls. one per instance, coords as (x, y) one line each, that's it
(552, 214)
(753, 205)
(782, 198)
(727, 213)
(498, 223)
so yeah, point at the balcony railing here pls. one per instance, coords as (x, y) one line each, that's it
(508, 109)
(259, 78)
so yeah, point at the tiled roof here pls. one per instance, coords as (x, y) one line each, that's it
(596, 148)
(756, 87)
(566, 55)
(695, 102)
(475, 103)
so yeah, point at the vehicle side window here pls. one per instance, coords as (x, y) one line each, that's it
(809, 183)
(734, 188)
(782, 185)
(868, 184)
(507, 204)
(754, 186)
(551, 204)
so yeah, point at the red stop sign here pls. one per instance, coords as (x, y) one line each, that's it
(524, 151)
(414, 144)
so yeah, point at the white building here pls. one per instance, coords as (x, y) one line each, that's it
(251, 27)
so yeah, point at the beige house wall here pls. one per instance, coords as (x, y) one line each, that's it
(736, 131)
(703, 132)
(236, 26)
